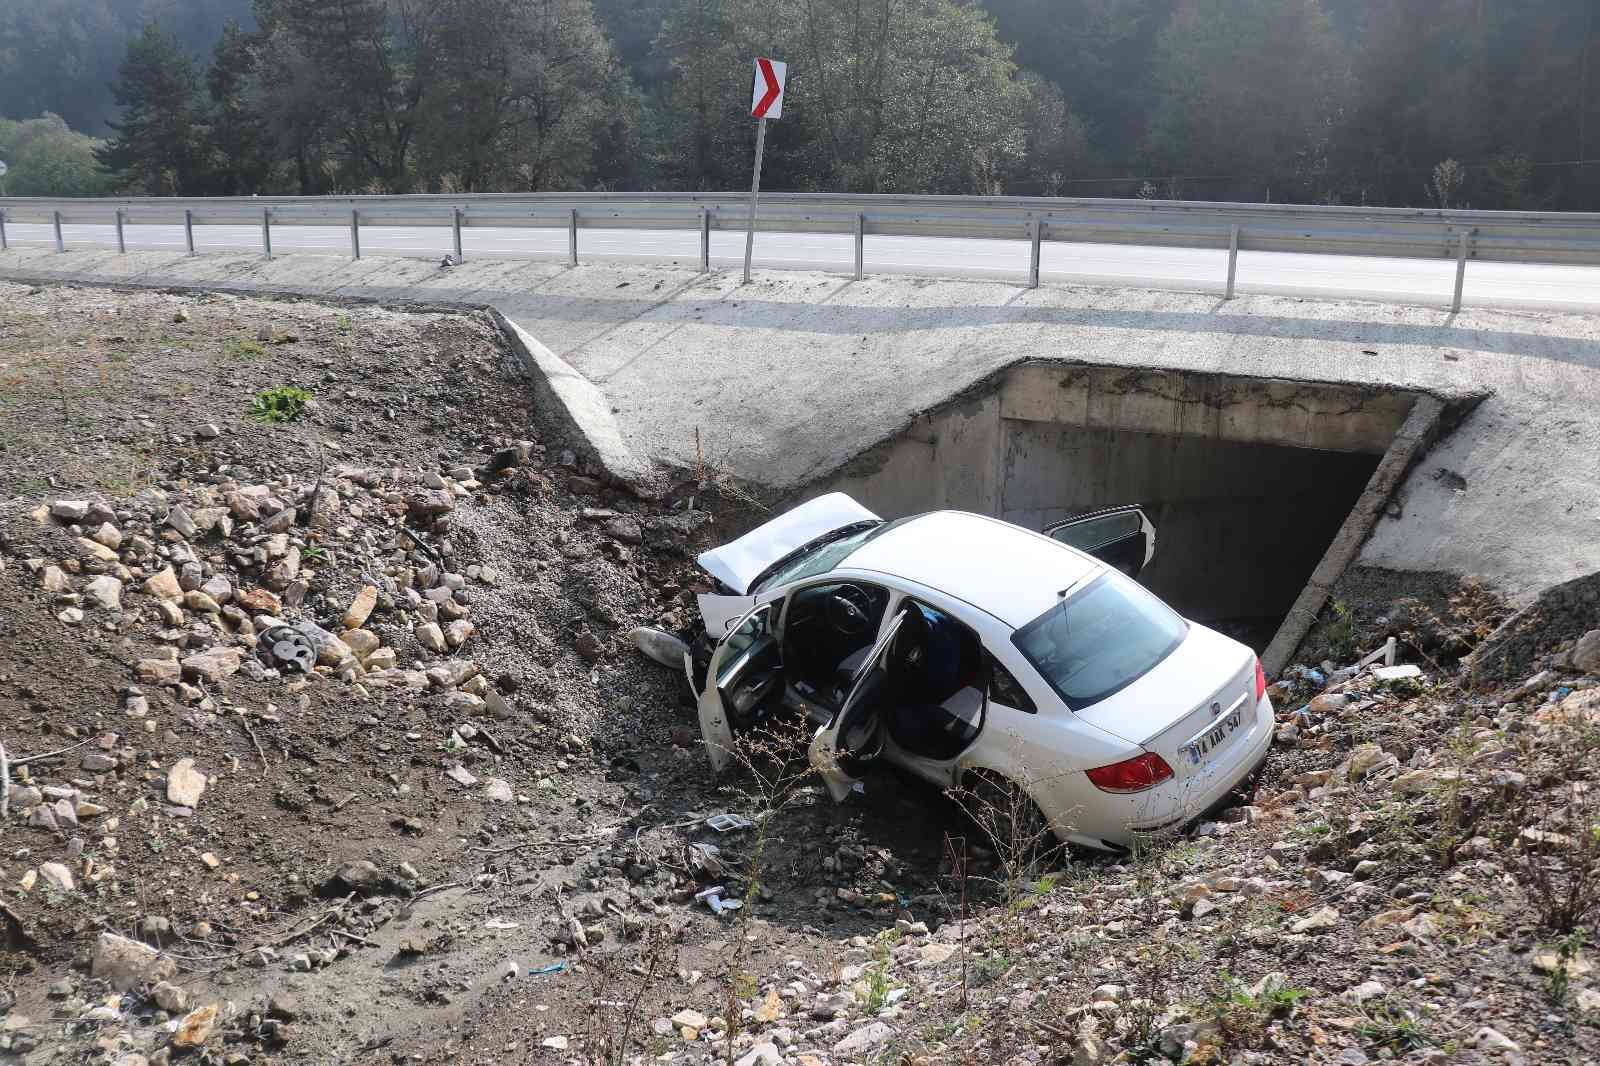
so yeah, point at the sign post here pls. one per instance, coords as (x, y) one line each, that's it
(3, 169)
(766, 101)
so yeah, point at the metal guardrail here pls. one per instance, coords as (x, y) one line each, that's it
(1493, 236)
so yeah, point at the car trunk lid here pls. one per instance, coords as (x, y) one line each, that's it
(1184, 708)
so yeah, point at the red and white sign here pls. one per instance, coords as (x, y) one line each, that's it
(766, 94)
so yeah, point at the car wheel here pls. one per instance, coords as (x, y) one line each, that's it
(1006, 817)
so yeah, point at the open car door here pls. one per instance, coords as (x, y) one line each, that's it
(743, 684)
(1118, 536)
(853, 738)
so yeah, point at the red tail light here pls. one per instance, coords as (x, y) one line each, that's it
(1131, 775)
(1261, 681)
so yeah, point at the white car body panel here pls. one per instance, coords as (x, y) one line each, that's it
(961, 562)
(719, 613)
(740, 562)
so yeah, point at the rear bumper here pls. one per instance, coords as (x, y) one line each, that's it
(1204, 796)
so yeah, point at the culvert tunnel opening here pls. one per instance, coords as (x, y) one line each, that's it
(1247, 480)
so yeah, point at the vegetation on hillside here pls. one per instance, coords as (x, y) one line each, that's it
(1412, 102)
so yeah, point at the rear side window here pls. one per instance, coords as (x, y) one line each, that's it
(1005, 689)
(1101, 640)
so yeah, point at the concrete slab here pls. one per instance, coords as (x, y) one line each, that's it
(789, 378)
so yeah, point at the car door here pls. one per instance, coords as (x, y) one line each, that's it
(1122, 537)
(850, 740)
(744, 683)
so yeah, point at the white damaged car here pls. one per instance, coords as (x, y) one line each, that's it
(963, 648)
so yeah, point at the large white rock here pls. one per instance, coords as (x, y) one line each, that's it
(185, 784)
(127, 964)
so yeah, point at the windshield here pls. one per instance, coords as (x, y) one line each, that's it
(822, 554)
(1101, 640)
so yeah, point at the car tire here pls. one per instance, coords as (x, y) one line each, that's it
(1006, 817)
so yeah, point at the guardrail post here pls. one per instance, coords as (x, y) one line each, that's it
(455, 216)
(572, 238)
(705, 240)
(188, 229)
(1036, 234)
(1233, 260)
(4, 244)
(355, 233)
(1461, 270)
(122, 244)
(55, 217)
(861, 245)
(266, 231)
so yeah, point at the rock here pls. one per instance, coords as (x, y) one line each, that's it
(686, 1020)
(1551, 962)
(283, 1006)
(1364, 991)
(588, 646)
(71, 615)
(185, 784)
(498, 791)
(163, 584)
(1487, 1039)
(279, 522)
(381, 659)
(212, 665)
(178, 519)
(625, 529)
(195, 1029)
(358, 875)
(1328, 703)
(361, 642)
(284, 571)
(762, 1054)
(1320, 919)
(97, 762)
(53, 579)
(360, 609)
(218, 588)
(170, 997)
(69, 511)
(108, 535)
(57, 876)
(1413, 782)
(127, 964)
(104, 592)
(457, 632)
(157, 671)
(431, 637)
(207, 431)
(430, 504)
(1589, 1000)
(935, 954)
(259, 601)
(96, 551)
(1363, 759)
(196, 600)
(1585, 654)
(461, 775)
(863, 1040)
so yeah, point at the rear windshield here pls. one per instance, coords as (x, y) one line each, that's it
(1100, 640)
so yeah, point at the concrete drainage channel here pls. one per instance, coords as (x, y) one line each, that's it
(1261, 490)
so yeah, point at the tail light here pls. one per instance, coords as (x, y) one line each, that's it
(1131, 775)
(1261, 681)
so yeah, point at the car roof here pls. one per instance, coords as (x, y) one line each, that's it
(1000, 568)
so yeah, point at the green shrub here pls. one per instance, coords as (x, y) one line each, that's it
(283, 403)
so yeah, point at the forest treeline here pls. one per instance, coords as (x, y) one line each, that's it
(1405, 102)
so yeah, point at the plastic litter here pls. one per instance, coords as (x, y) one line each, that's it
(500, 923)
(728, 823)
(713, 898)
(1396, 673)
(554, 967)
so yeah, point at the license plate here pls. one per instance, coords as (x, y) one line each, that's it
(1212, 739)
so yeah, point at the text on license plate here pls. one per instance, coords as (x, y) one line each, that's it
(1203, 745)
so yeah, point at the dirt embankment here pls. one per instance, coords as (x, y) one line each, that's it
(475, 830)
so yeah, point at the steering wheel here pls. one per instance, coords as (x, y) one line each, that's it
(849, 610)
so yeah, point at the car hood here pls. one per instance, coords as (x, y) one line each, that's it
(740, 562)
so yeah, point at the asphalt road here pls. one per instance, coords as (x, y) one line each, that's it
(1419, 281)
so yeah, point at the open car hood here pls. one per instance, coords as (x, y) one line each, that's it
(740, 562)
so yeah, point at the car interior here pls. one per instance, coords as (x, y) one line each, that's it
(827, 634)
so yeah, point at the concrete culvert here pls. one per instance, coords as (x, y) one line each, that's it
(1250, 482)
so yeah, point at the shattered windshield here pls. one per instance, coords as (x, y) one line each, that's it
(1100, 640)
